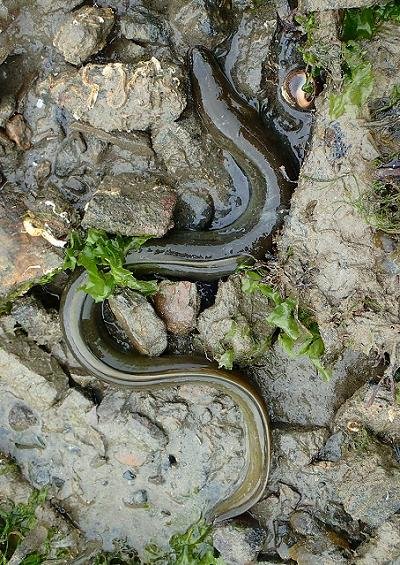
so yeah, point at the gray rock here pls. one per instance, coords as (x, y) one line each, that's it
(383, 546)
(237, 322)
(194, 209)
(250, 48)
(143, 27)
(14, 489)
(315, 5)
(178, 304)
(84, 33)
(21, 417)
(319, 545)
(166, 442)
(7, 108)
(138, 319)
(273, 514)
(126, 51)
(364, 481)
(381, 416)
(41, 326)
(196, 22)
(198, 169)
(298, 395)
(122, 97)
(239, 540)
(49, 210)
(131, 205)
(370, 485)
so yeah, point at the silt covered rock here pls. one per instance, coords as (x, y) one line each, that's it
(84, 33)
(120, 96)
(130, 205)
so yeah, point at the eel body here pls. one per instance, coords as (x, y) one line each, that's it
(202, 255)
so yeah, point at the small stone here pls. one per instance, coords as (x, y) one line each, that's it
(84, 33)
(121, 96)
(138, 319)
(143, 27)
(178, 304)
(137, 500)
(21, 417)
(239, 541)
(40, 325)
(130, 205)
(7, 108)
(18, 131)
(129, 475)
(126, 51)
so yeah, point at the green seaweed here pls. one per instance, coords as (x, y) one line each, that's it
(103, 256)
(298, 332)
(16, 521)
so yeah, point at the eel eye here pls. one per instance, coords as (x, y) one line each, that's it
(292, 89)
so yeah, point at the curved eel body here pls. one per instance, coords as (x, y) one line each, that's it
(200, 255)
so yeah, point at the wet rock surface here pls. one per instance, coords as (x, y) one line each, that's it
(130, 205)
(239, 541)
(84, 33)
(136, 316)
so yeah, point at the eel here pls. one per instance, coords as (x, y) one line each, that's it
(202, 255)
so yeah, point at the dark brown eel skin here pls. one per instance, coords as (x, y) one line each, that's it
(202, 255)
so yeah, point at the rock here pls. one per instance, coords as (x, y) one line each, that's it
(287, 382)
(125, 51)
(315, 5)
(122, 97)
(15, 490)
(365, 481)
(131, 205)
(320, 545)
(50, 211)
(21, 417)
(382, 547)
(239, 540)
(119, 470)
(84, 33)
(178, 304)
(138, 319)
(143, 27)
(381, 416)
(236, 321)
(354, 305)
(250, 48)
(7, 108)
(18, 131)
(273, 514)
(370, 485)
(199, 170)
(194, 209)
(24, 259)
(40, 325)
(196, 22)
